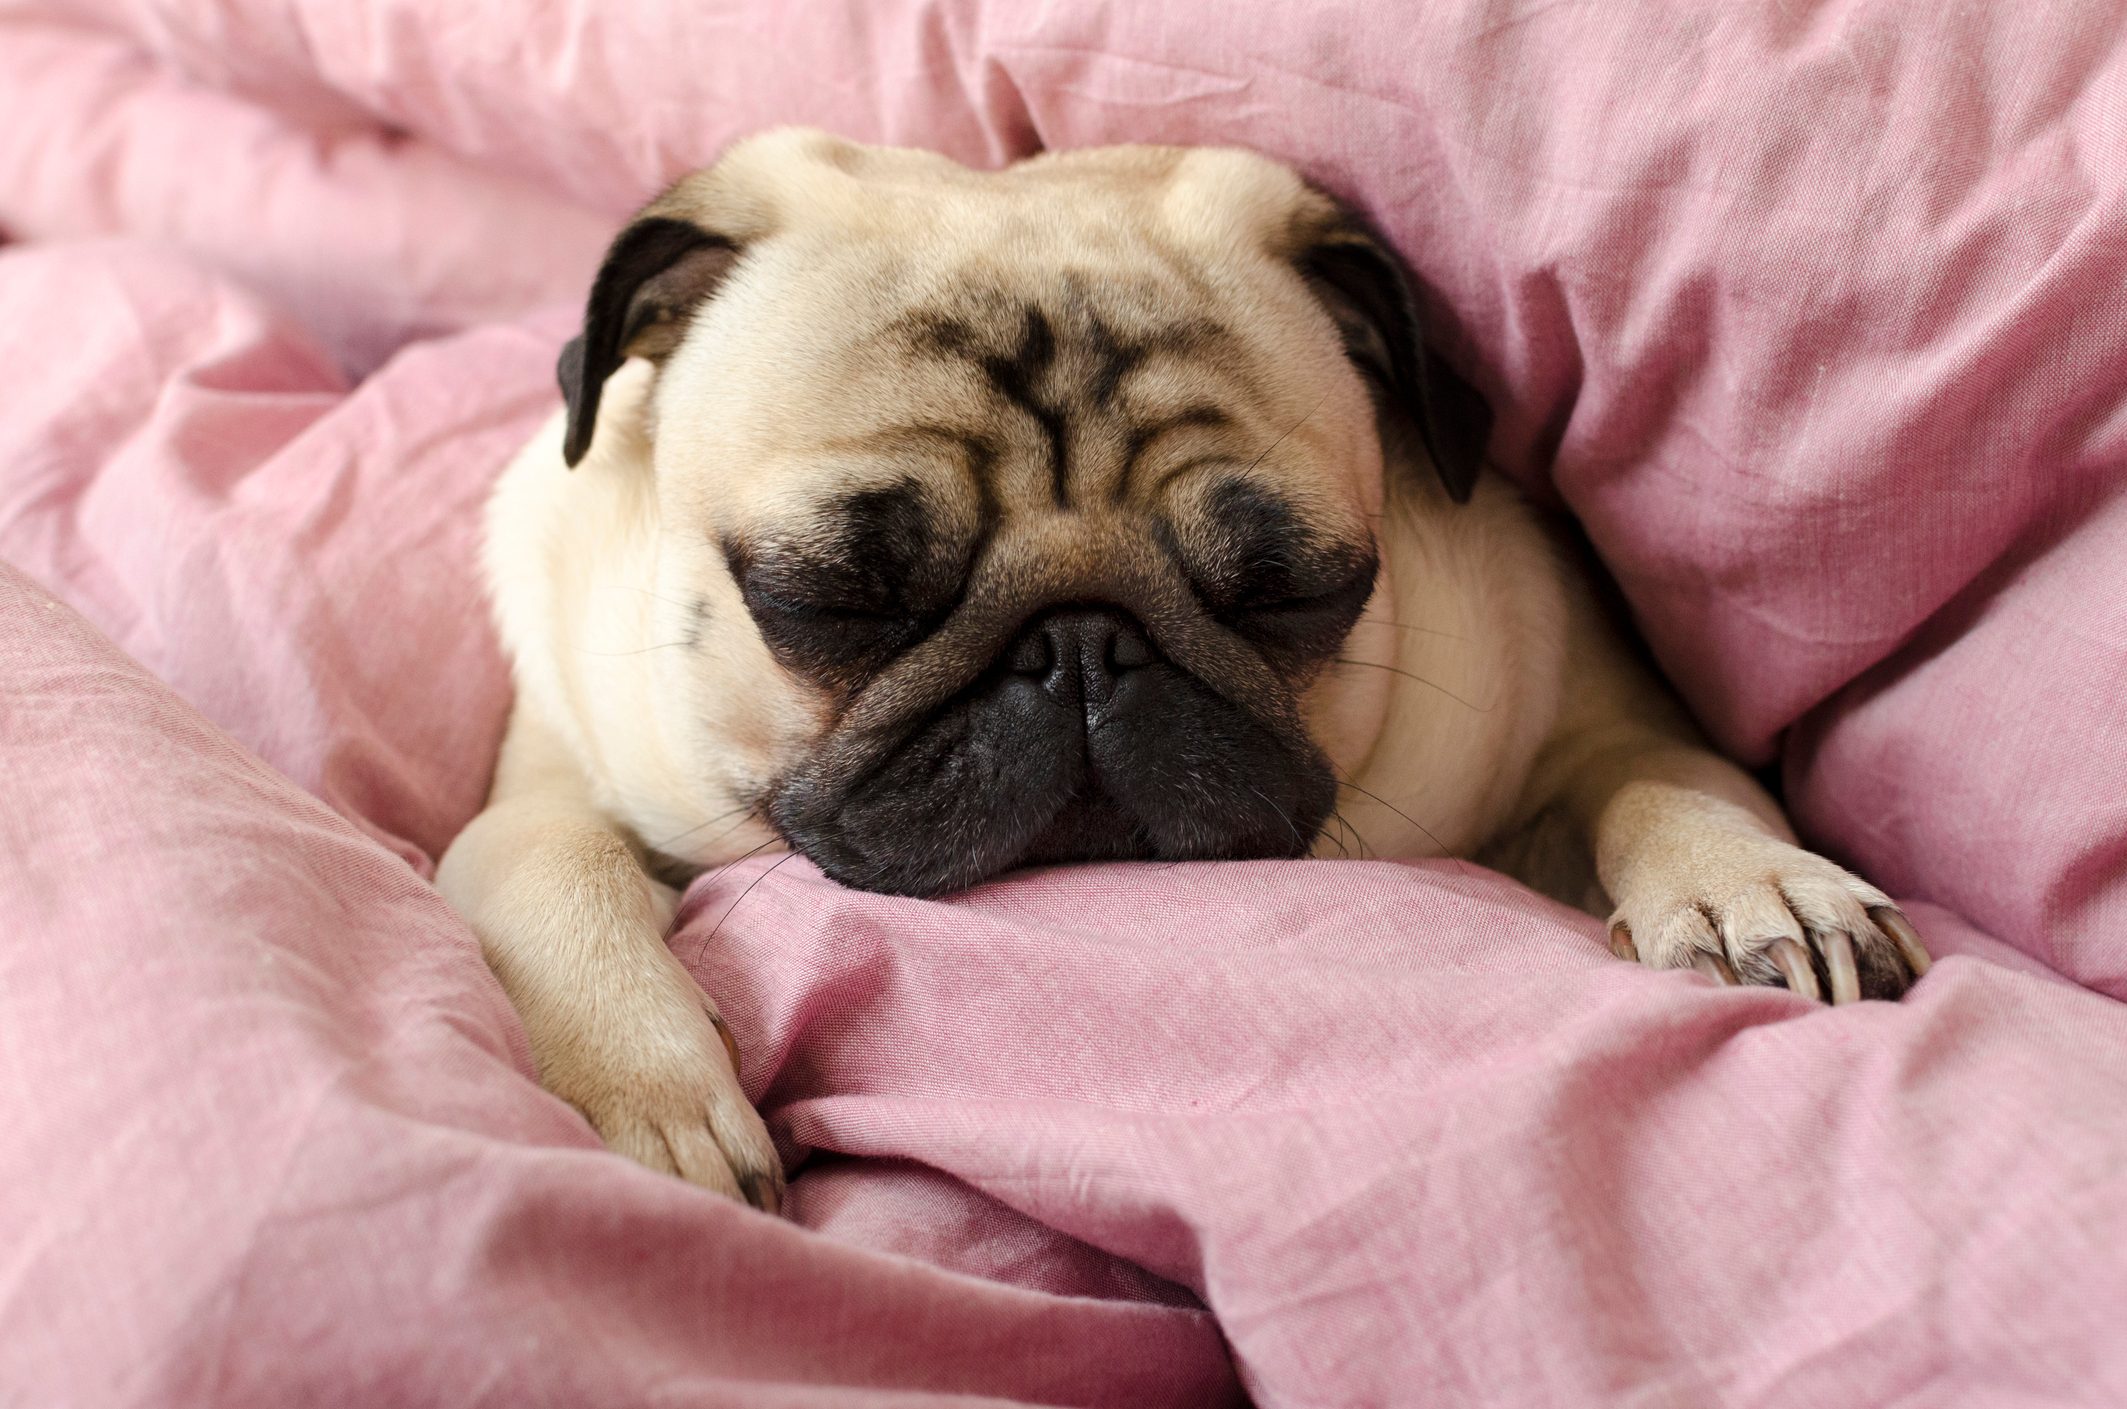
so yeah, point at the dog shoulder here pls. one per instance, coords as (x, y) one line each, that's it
(1473, 632)
(559, 541)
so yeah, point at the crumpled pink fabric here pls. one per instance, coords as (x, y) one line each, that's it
(1811, 314)
(273, 1138)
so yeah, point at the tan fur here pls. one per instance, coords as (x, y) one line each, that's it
(1483, 705)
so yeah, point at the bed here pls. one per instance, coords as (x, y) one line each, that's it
(1811, 313)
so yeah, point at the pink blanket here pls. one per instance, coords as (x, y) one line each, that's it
(1811, 314)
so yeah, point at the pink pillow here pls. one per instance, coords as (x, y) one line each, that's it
(295, 559)
(368, 240)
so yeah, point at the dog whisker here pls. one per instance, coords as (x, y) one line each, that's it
(1445, 850)
(703, 947)
(1296, 841)
(1421, 630)
(1344, 851)
(655, 596)
(1288, 433)
(1358, 836)
(641, 651)
(682, 836)
(740, 901)
(1410, 675)
(750, 852)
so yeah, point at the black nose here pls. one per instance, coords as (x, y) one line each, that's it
(1081, 653)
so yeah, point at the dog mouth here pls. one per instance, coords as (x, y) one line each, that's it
(1091, 828)
(1007, 776)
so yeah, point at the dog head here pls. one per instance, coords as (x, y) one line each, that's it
(1015, 514)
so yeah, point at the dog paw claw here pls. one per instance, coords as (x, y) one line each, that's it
(1766, 912)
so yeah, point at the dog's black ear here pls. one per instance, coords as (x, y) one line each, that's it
(655, 275)
(1370, 292)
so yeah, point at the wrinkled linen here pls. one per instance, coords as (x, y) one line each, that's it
(1810, 315)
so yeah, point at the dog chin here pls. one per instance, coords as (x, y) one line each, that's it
(1083, 830)
(980, 789)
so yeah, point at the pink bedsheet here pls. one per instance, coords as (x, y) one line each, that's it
(1813, 316)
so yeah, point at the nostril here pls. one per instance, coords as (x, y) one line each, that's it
(1079, 651)
(1129, 650)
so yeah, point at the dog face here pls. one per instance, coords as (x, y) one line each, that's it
(1015, 515)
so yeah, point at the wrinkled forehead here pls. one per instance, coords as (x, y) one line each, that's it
(934, 287)
(1014, 343)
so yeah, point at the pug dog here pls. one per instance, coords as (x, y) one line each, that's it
(933, 522)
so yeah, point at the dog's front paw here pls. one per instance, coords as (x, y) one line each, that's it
(662, 1087)
(1747, 908)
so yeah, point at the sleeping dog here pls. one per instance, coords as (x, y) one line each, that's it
(935, 522)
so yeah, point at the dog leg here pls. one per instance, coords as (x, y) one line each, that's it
(1697, 860)
(575, 930)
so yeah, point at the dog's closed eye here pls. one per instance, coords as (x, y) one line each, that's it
(1345, 595)
(1257, 571)
(873, 577)
(1294, 632)
(829, 635)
